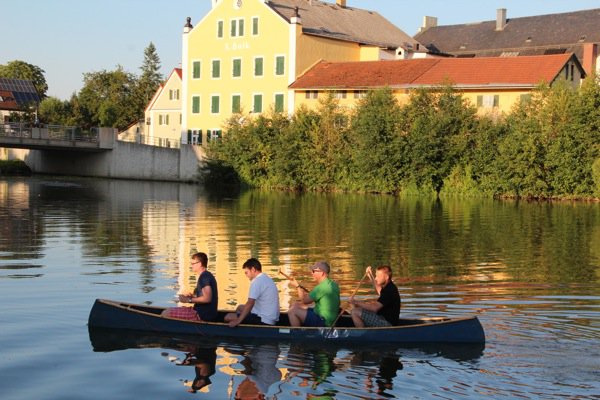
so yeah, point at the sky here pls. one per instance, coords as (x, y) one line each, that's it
(67, 38)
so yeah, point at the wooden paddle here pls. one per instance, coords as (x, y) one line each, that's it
(353, 294)
(289, 278)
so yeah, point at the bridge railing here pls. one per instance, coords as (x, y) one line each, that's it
(51, 132)
(15, 129)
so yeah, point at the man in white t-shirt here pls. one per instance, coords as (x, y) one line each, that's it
(262, 307)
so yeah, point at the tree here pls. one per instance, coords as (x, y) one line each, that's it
(151, 77)
(55, 111)
(21, 70)
(107, 99)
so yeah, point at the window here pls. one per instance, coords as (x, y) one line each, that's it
(340, 94)
(163, 119)
(214, 104)
(258, 66)
(237, 27)
(312, 94)
(216, 69)
(488, 100)
(160, 119)
(194, 136)
(525, 98)
(360, 94)
(279, 102)
(254, 26)
(219, 29)
(195, 104)
(237, 67)
(257, 106)
(173, 94)
(196, 70)
(236, 100)
(279, 65)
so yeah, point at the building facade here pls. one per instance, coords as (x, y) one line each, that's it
(240, 59)
(492, 84)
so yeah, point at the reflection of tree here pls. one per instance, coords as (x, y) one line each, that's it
(441, 240)
(316, 365)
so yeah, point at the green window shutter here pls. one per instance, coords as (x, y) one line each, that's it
(160, 119)
(200, 136)
(216, 68)
(189, 136)
(214, 104)
(196, 70)
(257, 103)
(235, 104)
(207, 135)
(258, 66)
(233, 28)
(278, 103)
(280, 65)
(167, 119)
(196, 105)
(219, 29)
(480, 101)
(237, 68)
(255, 26)
(241, 27)
(496, 100)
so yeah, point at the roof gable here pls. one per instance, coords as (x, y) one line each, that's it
(351, 24)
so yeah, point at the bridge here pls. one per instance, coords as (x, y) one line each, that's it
(68, 150)
(55, 137)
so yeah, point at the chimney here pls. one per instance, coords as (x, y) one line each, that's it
(428, 22)
(341, 3)
(500, 19)
(590, 56)
(188, 25)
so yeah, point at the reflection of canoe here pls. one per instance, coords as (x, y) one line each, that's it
(119, 315)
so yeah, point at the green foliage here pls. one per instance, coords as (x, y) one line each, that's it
(14, 167)
(21, 70)
(55, 111)
(546, 147)
(107, 99)
(150, 78)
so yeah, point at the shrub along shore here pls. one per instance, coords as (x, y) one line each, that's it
(547, 147)
(14, 167)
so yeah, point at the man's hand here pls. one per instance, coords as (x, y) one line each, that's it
(234, 323)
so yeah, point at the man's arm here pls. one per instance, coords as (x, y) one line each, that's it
(204, 298)
(245, 311)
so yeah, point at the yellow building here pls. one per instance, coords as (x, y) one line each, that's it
(243, 55)
(492, 84)
(163, 113)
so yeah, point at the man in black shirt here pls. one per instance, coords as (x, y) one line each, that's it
(386, 310)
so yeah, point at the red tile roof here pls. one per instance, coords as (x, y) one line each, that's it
(492, 71)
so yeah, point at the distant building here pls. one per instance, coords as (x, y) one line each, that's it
(493, 84)
(575, 32)
(17, 95)
(242, 56)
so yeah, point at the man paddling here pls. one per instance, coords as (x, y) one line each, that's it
(325, 296)
(385, 310)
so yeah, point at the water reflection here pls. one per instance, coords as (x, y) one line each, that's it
(258, 370)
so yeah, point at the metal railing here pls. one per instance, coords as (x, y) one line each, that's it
(50, 132)
(155, 141)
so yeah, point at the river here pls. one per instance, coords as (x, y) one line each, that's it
(529, 270)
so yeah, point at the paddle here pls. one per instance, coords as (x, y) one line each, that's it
(353, 294)
(289, 278)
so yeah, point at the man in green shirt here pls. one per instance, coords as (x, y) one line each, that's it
(325, 296)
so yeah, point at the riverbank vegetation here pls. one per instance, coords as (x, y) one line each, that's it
(14, 167)
(547, 147)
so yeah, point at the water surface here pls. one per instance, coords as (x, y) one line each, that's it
(530, 271)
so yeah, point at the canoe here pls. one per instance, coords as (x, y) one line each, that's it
(121, 315)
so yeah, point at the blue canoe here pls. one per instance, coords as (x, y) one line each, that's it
(120, 315)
